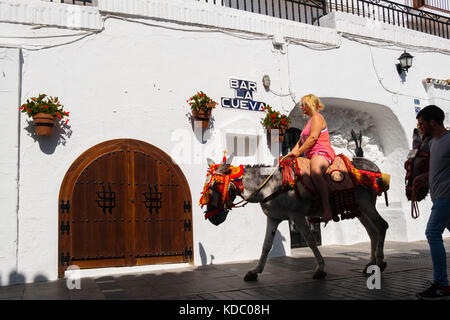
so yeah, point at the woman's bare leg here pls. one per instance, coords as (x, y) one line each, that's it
(319, 166)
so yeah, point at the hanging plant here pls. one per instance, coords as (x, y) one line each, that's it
(44, 110)
(276, 120)
(201, 107)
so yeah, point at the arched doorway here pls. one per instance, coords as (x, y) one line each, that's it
(124, 203)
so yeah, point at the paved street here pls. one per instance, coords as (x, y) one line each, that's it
(284, 278)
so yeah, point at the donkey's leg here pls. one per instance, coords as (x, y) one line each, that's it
(373, 235)
(272, 225)
(303, 228)
(371, 217)
(381, 227)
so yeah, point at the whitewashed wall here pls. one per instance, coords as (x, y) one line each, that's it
(131, 80)
(9, 161)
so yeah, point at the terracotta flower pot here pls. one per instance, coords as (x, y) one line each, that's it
(201, 118)
(281, 132)
(43, 124)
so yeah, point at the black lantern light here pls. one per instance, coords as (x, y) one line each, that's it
(405, 62)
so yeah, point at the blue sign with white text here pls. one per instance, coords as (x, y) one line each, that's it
(243, 96)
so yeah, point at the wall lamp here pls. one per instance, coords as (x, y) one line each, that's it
(405, 62)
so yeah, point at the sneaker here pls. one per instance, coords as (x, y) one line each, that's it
(435, 291)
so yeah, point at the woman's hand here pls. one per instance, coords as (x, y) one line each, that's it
(290, 154)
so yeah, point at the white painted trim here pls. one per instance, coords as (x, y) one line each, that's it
(208, 14)
(50, 14)
(199, 13)
(351, 24)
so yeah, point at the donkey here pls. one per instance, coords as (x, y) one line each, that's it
(279, 206)
(417, 164)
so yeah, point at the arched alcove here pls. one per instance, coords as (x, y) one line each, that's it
(383, 142)
(376, 121)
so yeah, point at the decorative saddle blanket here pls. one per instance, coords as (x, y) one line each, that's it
(342, 178)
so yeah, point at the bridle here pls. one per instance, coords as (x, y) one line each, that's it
(232, 179)
(254, 193)
(269, 197)
(222, 183)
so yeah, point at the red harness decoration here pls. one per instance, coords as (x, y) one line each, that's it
(366, 178)
(289, 170)
(222, 184)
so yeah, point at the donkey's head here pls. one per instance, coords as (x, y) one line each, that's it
(417, 164)
(221, 188)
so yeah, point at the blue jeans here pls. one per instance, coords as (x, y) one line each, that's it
(439, 220)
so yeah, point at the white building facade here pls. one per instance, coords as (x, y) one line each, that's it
(124, 70)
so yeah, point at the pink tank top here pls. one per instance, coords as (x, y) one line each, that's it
(322, 144)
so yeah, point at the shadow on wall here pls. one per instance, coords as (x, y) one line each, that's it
(202, 134)
(49, 144)
(203, 255)
(17, 278)
(277, 247)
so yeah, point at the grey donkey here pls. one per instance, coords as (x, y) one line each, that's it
(279, 206)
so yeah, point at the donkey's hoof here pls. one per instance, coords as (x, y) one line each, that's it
(319, 274)
(365, 268)
(251, 276)
(382, 267)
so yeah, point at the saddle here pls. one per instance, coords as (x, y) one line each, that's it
(418, 163)
(342, 179)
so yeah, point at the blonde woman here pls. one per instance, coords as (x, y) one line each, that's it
(315, 144)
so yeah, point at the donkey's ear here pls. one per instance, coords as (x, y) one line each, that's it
(209, 161)
(417, 138)
(230, 158)
(354, 137)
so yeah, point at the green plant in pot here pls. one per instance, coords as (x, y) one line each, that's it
(201, 107)
(44, 110)
(276, 120)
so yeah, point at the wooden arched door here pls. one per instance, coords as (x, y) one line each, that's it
(124, 203)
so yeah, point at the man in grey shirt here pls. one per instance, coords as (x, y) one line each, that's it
(430, 120)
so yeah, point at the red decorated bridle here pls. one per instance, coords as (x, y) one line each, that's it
(222, 183)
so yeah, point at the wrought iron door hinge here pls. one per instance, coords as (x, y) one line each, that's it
(187, 206)
(65, 207)
(65, 259)
(64, 227)
(188, 253)
(187, 225)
